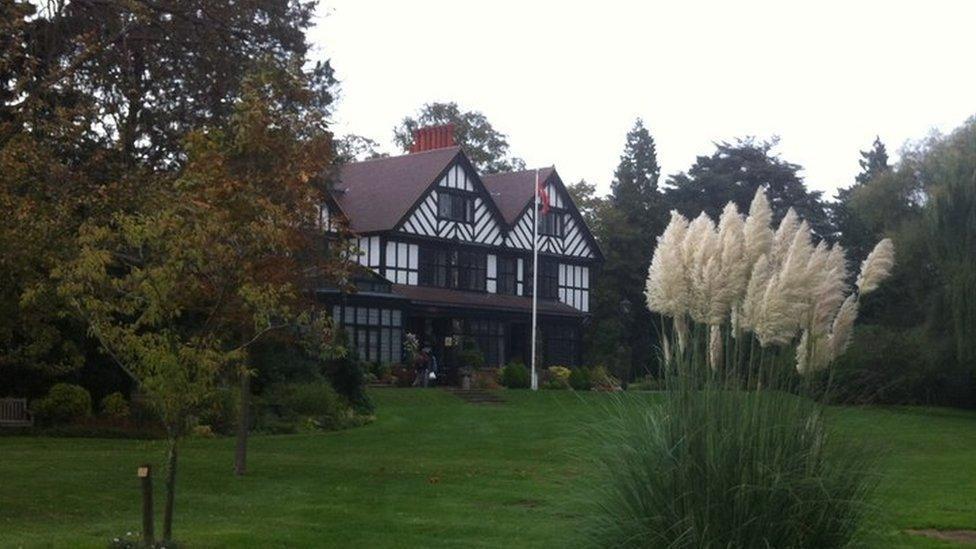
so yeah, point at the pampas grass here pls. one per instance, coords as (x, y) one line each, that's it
(773, 283)
(876, 267)
(667, 278)
(736, 454)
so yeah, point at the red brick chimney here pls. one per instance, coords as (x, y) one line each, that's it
(432, 137)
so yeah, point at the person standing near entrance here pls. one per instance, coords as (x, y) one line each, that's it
(420, 368)
(431, 377)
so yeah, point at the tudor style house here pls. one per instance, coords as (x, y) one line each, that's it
(447, 254)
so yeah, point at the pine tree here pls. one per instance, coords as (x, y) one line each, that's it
(733, 173)
(633, 217)
(854, 232)
(873, 161)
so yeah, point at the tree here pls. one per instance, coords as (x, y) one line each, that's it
(587, 202)
(95, 97)
(733, 173)
(852, 232)
(486, 147)
(948, 171)
(356, 148)
(873, 162)
(161, 69)
(55, 170)
(633, 211)
(223, 255)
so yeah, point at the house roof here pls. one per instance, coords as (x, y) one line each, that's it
(512, 191)
(376, 194)
(425, 295)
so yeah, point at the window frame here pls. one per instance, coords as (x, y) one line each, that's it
(503, 278)
(462, 214)
(548, 278)
(368, 327)
(558, 228)
(453, 268)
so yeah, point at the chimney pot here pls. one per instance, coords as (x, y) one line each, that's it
(433, 137)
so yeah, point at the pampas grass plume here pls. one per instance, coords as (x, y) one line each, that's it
(757, 234)
(843, 327)
(876, 267)
(667, 277)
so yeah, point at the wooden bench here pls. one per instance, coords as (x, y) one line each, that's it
(14, 413)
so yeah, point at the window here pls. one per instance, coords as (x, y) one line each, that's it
(455, 206)
(374, 333)
(551, 224)
(548, 278)
(561, 345)
(490, 337)
(453, 268)
(574, 286)
(507, 275)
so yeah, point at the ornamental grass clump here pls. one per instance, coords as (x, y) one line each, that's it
(738, 453)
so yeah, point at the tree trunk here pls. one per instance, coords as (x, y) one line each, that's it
(170, 492)
(243, 425)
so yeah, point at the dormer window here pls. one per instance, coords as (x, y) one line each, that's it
(455, 206)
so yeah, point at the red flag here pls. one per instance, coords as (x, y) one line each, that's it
(543, 198)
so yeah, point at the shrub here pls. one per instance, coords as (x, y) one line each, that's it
(558, 377)
(403, 375)
(303, 404)
(64, 403)
(348, 378)
(486, 378)
(646, 383)
(719, 468)
(579, 379)
(601, 380)
(381, 372)
(115, 406)
(515, 376)
(896, 366)
(221, 412)
(203, 431)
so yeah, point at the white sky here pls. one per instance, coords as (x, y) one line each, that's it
(565, 80)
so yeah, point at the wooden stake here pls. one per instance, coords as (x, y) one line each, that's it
(145, 476)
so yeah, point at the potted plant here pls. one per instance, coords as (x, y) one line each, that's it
(471, 359)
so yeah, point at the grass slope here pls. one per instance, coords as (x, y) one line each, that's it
(431, 471)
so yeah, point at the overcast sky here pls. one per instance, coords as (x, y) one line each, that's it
(565, 80)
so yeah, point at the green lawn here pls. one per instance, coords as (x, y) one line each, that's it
(431, 471)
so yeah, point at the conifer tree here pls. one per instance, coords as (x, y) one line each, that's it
(635, 215)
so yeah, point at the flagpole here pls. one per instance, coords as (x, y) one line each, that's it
(535, 274)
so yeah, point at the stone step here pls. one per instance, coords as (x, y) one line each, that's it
(476, 396)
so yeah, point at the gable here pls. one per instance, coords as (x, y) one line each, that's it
(576, 240)
(457, 179)
(376, 194)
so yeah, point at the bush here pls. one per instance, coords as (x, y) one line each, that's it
(579, 379)
(203, 431)
(381, 372)
(515, 376)
(403, 375)
(221, 412)
(719, 468)
(897, 366)
(302, 405)
(115, 406)
(64, 403)
(348, 378)
(601, 380)
(646, 383)
(486, 378)
(558, 377)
